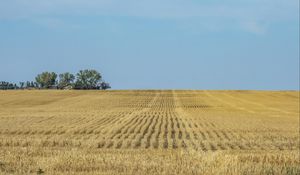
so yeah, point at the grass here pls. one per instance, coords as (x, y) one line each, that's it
(149, 132)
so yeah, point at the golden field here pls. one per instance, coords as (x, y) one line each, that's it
(149, 132)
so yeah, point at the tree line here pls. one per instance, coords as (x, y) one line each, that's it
(84, 79)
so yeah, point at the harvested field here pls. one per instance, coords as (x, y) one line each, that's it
(149, 132)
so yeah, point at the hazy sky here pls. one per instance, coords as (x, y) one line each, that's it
(170, 44)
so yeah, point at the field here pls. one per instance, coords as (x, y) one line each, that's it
(149, 132)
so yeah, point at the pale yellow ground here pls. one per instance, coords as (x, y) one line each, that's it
(149, 132)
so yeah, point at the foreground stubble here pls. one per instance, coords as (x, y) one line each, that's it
(149, 132)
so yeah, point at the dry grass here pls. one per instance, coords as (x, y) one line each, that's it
(149, 132)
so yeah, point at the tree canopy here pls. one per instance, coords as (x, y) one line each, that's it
(65, 79)
(46, 79)
(88, 79)
(84, 79)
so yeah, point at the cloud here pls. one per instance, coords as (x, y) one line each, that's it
(149, 9)
(251, 14)
(50, 22)
(55, 23)
(254, 27)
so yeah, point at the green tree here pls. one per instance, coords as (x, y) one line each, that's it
(6, 85)
(104, 85)
(16, 86)
(66, 79)
(32, 84)
(22, 84)
(87, 79)
(46, 79)
(27, 84)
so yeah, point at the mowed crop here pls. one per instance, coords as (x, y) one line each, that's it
(149, 132)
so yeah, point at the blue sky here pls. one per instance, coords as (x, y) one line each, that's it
(166, 44)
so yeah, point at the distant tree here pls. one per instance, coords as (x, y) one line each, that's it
(6, 85)
(32, 85)
(66, 79)
(87, 79)
(10, 86)
(27, 84)
(36, 85)
(46, 79)
(104, 85)
(3, 85)
(22, 85)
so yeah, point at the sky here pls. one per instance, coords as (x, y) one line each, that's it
(155, 44)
